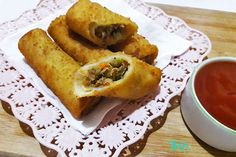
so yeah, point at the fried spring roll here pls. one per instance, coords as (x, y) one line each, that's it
(139, 47)
(98, 24)
(76, 46)
(118, 75)
(84, 51)
(55, 68)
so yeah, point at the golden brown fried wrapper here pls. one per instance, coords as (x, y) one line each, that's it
(139, 47)
(98, 24)
(55, 68)
(84, 51)
(118, 75)
(76, 46)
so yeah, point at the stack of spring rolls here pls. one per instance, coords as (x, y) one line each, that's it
(95, 53)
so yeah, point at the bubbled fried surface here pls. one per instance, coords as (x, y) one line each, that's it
(138, 47)
(73, 44)
(54, 67)
(84, 16)
(84, 51)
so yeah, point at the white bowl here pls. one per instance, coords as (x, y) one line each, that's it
(202, 124)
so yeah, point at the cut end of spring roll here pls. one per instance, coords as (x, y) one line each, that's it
(98, 24)
(117, 75)
(55, 68)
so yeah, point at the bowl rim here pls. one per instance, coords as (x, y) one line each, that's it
(195, 98)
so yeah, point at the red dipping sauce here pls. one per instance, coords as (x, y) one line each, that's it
(215, 86)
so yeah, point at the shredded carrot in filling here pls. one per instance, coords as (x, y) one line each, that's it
(105, 73)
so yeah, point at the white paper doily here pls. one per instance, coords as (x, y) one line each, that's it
(122, 126)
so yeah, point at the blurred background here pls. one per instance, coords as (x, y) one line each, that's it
(225, 5)
(11, 9)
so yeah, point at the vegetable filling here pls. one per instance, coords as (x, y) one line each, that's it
(109, 32)
(105, 73)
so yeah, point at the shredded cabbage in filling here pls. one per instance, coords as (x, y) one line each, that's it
(109, 32)
(106, 73)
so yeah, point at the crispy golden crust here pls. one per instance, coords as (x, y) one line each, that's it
(76, 46)
(84, 17)
(139, 47)
(55, 68)
(139, 80)
(84, 51)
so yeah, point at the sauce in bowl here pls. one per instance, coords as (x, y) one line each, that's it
(215, 87)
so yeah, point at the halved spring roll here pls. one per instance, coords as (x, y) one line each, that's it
(98, 24)
(117, 75)
(84, 51)
(137, 46)
(55, 68)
